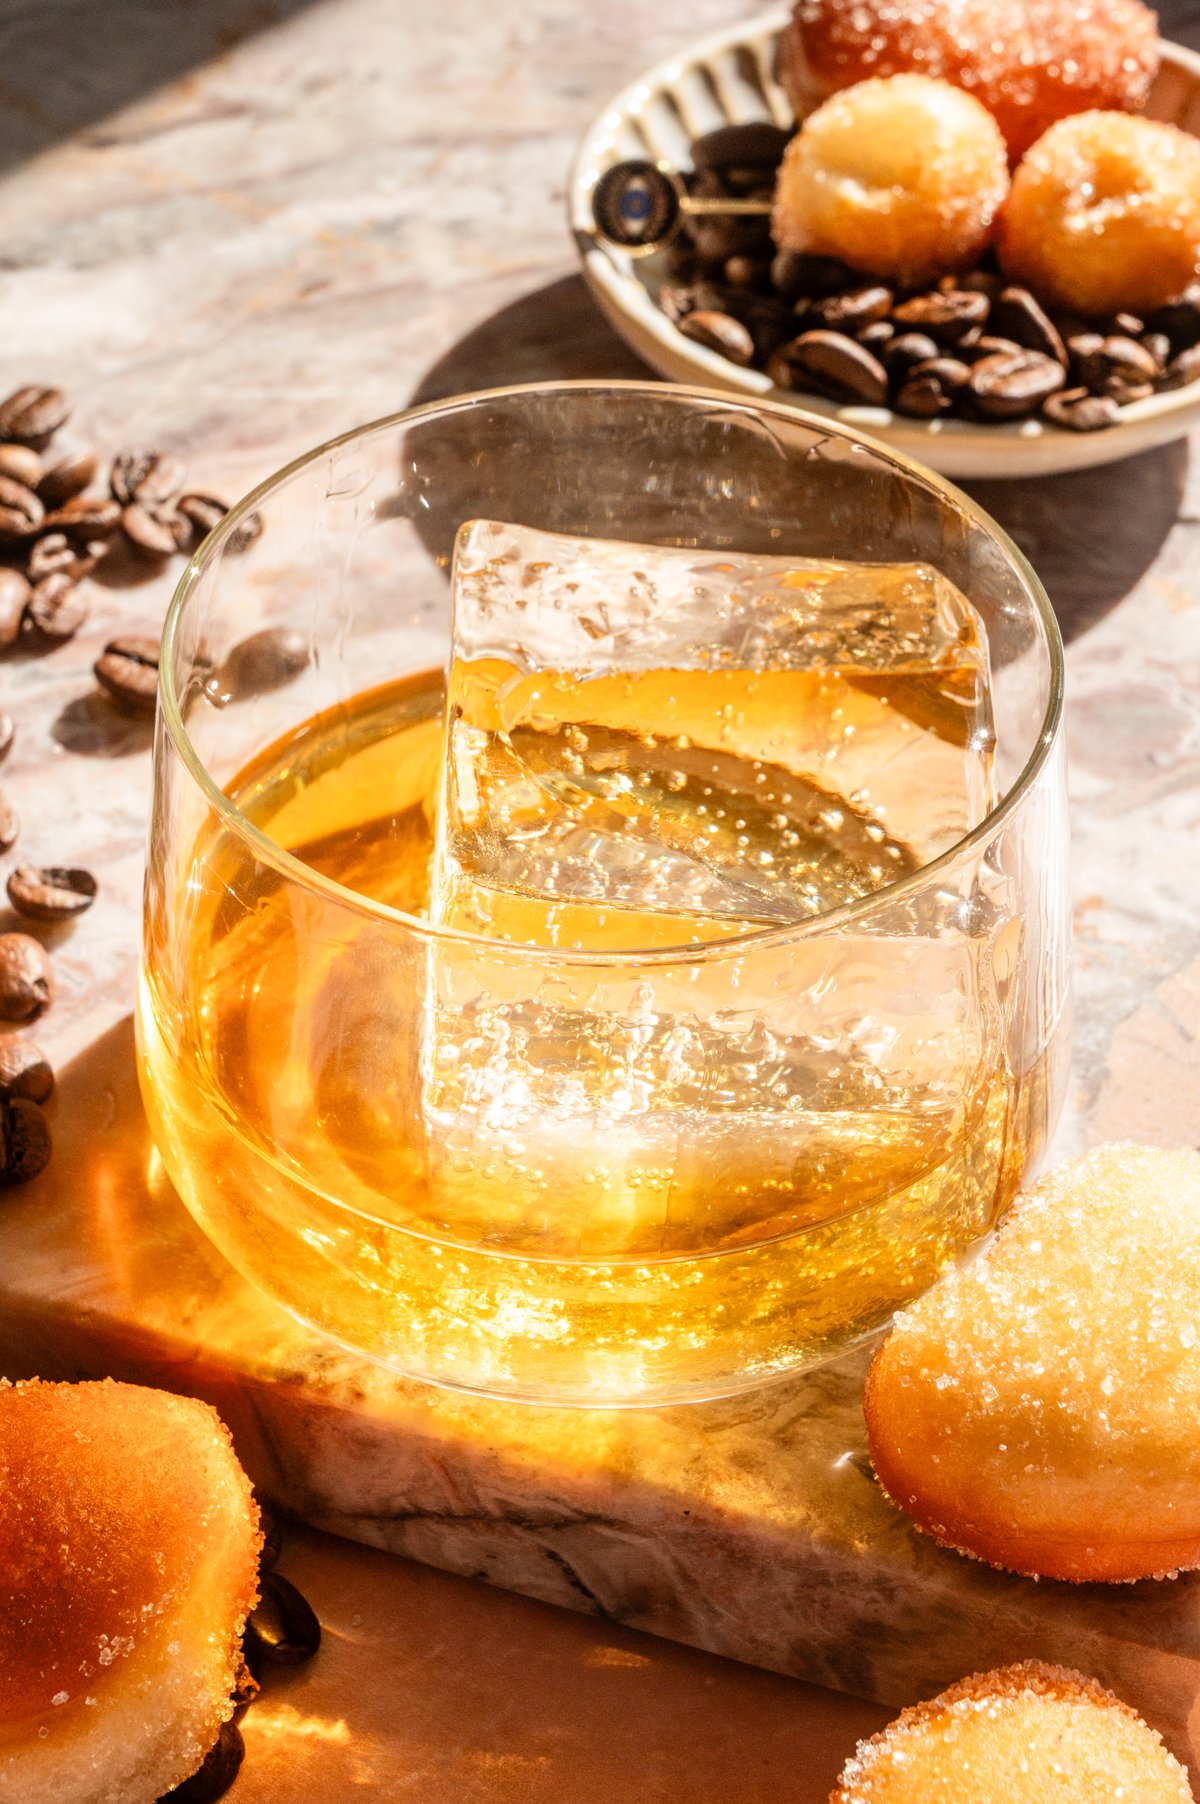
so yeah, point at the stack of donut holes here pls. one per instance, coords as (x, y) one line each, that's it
(902, 169)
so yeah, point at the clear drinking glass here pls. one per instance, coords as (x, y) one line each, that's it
(863, 1091)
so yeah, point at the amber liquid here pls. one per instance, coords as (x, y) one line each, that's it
(556, 1180)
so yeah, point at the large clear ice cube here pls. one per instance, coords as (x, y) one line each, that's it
(650, 748)
(719, 742)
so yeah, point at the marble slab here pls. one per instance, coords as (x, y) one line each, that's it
(751, 1527)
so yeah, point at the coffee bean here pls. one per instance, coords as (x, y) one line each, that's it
(721, 236)
(9, 825)
(51, 553)
(1181, 370)
(1011, 385)
(67, 478)
(1095, 360)
(1129, 358)
(836, 366)
(907, 349)
(1018, 316)
(26, 983)
(54, 553)
(1159, 347)
(755, 143)
(1080, 411)
(273, 1538)
(877, 335)
(50, 893)
(922, 397)
(14, 594)
(797, 273)
(719, 332)
(127, 671)
(748, 272)
(146, 476)
(245, 1689)
(24, 1069)
(8, 733)
(155, 529)
(847, 312)
(21, 513)
(1179, 319)
(976, 281)
(978, 345)
(56, 610)
(282, 1629)
(1125, 392)
(945, 317)
(217, 1773)
(90, 516)
(33, 412)
(24, 1141)
(951, 372)
(1126, 325)
(22, 464)
(266, 660)
(247, 532)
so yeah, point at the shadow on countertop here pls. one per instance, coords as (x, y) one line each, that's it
(67, 65)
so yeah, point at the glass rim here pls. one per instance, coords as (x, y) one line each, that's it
(267, 851)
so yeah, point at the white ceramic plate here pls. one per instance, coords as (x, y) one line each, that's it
(728, 78)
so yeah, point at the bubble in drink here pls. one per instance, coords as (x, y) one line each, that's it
(651, 748)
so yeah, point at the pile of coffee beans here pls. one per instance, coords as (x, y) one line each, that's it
(55, 527)
(282, 1630)
(975, 346)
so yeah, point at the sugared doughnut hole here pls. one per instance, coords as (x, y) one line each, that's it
(1105, 214)
(901, 178)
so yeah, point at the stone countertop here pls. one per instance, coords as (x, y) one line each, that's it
(237, 229)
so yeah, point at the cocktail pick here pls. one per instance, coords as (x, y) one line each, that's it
(639, 205)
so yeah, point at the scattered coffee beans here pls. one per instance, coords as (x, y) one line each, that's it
(24, 1141)
(24, 1069)
(26, 985)
(51, 527)
(127, 671)
(51, 892)
(9, 828)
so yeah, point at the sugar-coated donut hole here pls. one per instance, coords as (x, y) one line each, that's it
(901, 178)
(129, 1543)
(1025, 1734)
(1030, 62)
(1104, 214)
(1036, 1408)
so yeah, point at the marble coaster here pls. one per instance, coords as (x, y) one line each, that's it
(750, 1527)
